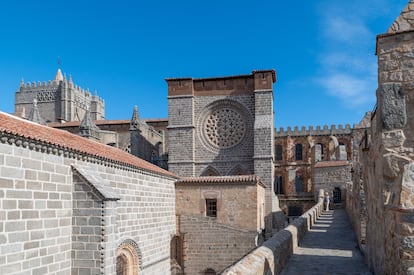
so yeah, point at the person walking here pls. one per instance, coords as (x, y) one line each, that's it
(327, 201)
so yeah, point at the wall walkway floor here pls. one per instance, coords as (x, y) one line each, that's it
(330, 247)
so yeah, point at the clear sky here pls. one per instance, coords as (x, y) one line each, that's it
(323, 51)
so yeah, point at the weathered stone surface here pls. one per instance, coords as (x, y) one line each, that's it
(393, 139)
(405, 21)
(407, 198)
(392, 106)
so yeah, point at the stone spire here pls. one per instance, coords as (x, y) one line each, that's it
(135, 120)
(88, 128)
(404, 22)
(35, 114)
(59, 75)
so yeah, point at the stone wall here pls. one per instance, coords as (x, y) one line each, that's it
(216, 242)
(356, 205)
(209, 244)
(388, 159)
(273, 255)
(329, 175)
(66, 210)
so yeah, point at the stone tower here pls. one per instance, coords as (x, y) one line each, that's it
(388, 161)
(59, 100)
(222, 127)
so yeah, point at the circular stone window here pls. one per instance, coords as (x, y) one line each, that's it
(223, 126)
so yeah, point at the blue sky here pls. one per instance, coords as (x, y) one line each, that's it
(323, 50)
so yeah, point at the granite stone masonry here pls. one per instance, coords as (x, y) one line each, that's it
(384, 178)
(214, 240)
(73, 206)
(59, 100)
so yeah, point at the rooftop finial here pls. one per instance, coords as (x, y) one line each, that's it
(58, 62)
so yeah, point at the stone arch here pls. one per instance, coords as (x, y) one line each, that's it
(209, 271)
(333, 147)
(210, 171)
(346, 144)
(237, 170)
(128, 258)
(337, 195)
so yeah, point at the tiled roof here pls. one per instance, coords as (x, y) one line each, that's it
(243, 179)
(332, 163)
(19, 127)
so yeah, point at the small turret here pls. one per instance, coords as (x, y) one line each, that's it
(59, 75)
(135, 120)
(35, 114)
(88, 128)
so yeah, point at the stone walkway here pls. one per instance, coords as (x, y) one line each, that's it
(329, 248)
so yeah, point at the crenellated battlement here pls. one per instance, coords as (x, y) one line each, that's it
(317, 131)
(53, 85)
(58, 100)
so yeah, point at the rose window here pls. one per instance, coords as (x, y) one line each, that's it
(224, 127)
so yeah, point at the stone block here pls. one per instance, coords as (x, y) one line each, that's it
(11, 268)
(9, 204)
(13, 215)
(6, 183)
(392, 106)
(31, 245)
(12, 226)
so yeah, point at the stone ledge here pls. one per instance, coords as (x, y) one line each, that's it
(274, 254)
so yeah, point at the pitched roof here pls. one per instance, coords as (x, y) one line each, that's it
(19, 127)
(405, 21)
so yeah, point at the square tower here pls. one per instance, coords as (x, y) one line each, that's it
(223, 126)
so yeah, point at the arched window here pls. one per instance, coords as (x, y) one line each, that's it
(237, 171)
(279, 155)
(298, 152)
(319, 152)
(127, 259)
(210, 172)
(210, 271)
(121, 265)
(337, 197)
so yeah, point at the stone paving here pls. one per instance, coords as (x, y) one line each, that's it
(329, 248)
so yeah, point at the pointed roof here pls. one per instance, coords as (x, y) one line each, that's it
(87, 127)
(135, 120)
(404, 22)
(35, 114)
(59, 75)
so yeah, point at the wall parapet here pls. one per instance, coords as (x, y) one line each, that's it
(274, 254)
(317, 131)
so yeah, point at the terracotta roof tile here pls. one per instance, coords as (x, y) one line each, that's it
(27, 129)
